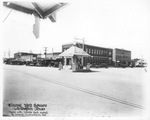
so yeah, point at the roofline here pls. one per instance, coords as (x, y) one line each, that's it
(25, 53)
(122, 49)
(54, 53)
(49, 53)
(87, 45)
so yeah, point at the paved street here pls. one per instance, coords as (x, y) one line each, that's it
(103, 92)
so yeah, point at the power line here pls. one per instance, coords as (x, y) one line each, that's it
(7, 16)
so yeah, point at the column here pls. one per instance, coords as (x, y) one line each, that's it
(65, 61)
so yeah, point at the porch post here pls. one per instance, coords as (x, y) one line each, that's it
(65, 61)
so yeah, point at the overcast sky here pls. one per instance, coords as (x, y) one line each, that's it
(105, 23)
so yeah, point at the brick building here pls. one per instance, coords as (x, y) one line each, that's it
(99, 54)
(121, 55)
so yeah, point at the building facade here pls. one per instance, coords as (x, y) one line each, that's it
(99, 54)
(52, 55)
(121, 55)
(23, 56)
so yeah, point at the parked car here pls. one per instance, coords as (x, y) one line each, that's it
(132, 64)
(103, 65)
(38, 64)
(30, 63)
(121, 64)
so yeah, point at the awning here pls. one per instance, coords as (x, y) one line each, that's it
(73, 50)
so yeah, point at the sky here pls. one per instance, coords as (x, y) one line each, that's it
(121, 24)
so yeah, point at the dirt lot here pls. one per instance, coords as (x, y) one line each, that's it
(103, 92)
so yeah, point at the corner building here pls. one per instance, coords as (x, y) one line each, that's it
(121, 55)
(99, 54)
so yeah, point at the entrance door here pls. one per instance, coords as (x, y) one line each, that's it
(68, 60)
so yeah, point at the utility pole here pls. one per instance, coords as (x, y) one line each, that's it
(52, 53)
(9, 53)
(40, 54)
(4, 54)
(30, 54)
(142, 57)
(83, 42)
(82, 45)
(18, 56)
(45, 52)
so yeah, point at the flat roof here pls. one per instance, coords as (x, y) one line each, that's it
(122, 49)
(87, 45)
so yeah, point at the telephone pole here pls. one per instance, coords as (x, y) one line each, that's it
(9, 53)
(82, 46)
(52, 53)
(4, 54)
(45, 52)
(30, 54)
(83, 41)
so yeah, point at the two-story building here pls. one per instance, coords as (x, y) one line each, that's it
(99, 54)
(121, 55)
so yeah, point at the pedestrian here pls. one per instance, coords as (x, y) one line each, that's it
(60, 66)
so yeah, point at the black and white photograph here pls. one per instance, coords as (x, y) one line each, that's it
(75, 59)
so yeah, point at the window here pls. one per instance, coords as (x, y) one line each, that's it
(87, 50)
(101, 52)
(109, 53)
(94, 51)
(106, 53)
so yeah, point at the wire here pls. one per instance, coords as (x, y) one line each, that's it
(7, 16)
